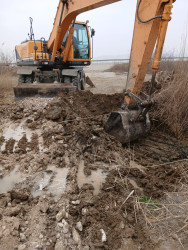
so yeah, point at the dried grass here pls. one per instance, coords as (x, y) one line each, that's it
(168, 217)
(172, 105)
(8, 76)
(7, 82)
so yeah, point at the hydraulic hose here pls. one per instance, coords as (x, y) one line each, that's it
(147, 21)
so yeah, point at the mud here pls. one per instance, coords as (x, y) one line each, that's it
(66, 184)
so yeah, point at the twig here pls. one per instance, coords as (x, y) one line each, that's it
(182, 228)
(127, 197)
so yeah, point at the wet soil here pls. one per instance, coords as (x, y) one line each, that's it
(77, 187)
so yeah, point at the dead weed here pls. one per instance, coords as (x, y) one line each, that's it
(7, 82)
(172, 105)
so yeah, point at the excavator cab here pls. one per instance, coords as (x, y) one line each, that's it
(80, 42)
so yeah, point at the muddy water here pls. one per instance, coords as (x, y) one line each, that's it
(40, 183)
(58, 185)
(96, 179)
(17, 131)
(9, 181)
(53, 181)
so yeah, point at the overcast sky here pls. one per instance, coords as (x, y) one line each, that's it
(113, 25)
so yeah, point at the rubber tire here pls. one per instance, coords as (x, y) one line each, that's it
(21, 79)
(29, 79)
(76, 82)
(83, 82)
(67, 79)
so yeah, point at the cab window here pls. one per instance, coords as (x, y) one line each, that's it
(80, 41)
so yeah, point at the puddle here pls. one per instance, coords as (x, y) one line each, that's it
(53, 182)
(58, 185)
(16, 132)
(96, 179)
(8, 182)
(41, 181)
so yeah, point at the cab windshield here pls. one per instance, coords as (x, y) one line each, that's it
(80, 41)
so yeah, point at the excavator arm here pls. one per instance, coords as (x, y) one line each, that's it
(151, 22)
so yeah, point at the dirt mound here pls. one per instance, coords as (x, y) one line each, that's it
(67, 184)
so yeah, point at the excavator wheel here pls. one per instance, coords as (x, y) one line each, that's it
(21, 79)
(126, 127)
(76, 82)
(29, 79)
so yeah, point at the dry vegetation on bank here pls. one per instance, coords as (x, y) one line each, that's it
(8, 80)
(8, 76)
(172, 105)
(166, 65)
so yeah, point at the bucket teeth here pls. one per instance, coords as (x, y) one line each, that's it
(125, 127)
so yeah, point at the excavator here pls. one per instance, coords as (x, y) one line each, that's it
(56, 65)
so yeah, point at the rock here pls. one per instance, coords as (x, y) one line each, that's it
(79, 226)
(22, 237)
(65, 226)
(44, 207)
(41, 236)
(19, 195)
(58, 236)
(59, 246)
(61, 215)
(84, 211)
(76, 236)
(76, 202)
(86, 248)
(53, 113)
(60, 225)
(21, 247)
(122, 225)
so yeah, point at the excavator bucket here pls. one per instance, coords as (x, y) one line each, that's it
(42, 89)
(126, 126)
